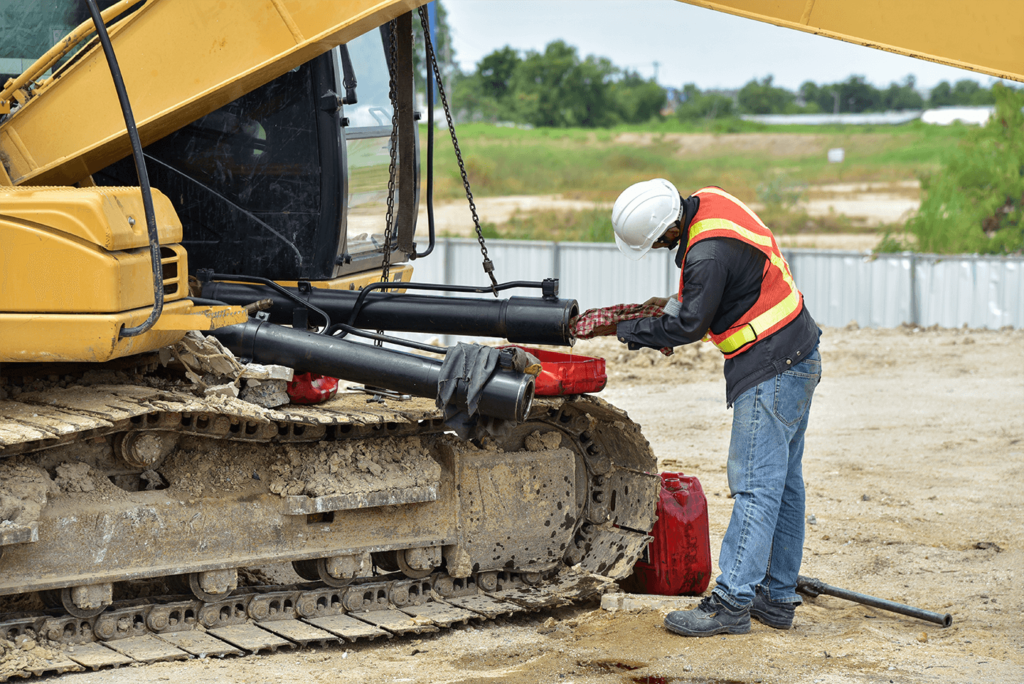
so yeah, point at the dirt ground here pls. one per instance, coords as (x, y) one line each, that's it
(913, 465)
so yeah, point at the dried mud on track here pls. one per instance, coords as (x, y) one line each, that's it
(915, 456)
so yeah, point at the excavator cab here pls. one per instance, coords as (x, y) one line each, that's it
(286, 182)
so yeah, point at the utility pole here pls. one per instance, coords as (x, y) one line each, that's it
(656, 65)
(835, 107)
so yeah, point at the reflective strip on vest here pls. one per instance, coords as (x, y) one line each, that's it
(751, 330)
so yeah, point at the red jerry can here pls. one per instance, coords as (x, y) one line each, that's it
(311, 388)
(678, 559)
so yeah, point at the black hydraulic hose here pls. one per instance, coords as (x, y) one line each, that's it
(349, 330)
(140, 168)
(505, 394)
(271, 284)
(521, 320)
(425, 22)
(199, 301)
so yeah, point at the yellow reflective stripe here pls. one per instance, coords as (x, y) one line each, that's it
(743, 336)
(749, 332)
(780, 263)
(723, 193)
(725, 224)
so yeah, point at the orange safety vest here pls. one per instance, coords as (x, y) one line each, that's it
(722, 215)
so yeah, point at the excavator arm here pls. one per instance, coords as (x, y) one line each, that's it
(181, 60)
(189, 57)
(987, 36)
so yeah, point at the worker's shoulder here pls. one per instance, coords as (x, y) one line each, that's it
(717, 249)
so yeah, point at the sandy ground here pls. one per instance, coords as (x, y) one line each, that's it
(914, 463)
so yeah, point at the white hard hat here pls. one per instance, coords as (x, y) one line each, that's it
(642, 214)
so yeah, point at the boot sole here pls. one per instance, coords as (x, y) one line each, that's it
(732, 629)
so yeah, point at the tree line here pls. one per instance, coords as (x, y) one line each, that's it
(557, 87)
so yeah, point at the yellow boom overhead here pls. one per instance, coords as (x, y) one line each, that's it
(182, 59)
(986, 36)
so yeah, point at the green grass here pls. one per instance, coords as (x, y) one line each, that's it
(597, 165)
(590, 225)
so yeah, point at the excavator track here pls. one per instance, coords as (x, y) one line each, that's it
(259, 619)
(423, 531)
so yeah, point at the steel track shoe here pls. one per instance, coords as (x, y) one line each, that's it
(711, 616)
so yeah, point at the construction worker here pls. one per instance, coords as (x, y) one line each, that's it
(736, 290)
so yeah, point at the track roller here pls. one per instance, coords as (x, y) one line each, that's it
(214, 584)
(334, 571)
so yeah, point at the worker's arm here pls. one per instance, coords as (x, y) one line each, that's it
(704, 279)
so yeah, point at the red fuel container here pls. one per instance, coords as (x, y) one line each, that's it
(563, 374)
(678, 559)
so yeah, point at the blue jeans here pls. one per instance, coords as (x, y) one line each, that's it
(764, 543)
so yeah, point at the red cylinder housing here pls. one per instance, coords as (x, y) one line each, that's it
(678, 559)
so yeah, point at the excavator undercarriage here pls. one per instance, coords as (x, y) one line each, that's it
(158, 498)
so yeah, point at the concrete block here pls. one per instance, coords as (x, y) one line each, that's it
(633, 603)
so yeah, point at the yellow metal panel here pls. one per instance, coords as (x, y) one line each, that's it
(46, 271)
(81, 337)
(401, 273)
(202, 318)
(102, 216)
(984, 35)
(181, 59)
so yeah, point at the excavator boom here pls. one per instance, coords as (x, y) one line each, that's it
(987, 37)
(186, 58)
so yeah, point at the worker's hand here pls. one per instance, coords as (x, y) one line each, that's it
(605, 330)
(657, 301)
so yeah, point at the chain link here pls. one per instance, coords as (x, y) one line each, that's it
(389, 219)
(488, 264)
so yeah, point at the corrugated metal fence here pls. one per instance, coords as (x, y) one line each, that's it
(876, 290)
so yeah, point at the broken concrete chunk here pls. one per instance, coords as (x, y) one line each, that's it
(634, 603)
(227, 390)
(203, 355)
(266, 393)
(259, 371)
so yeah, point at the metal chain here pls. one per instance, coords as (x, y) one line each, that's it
(432, 59)
(393, 151)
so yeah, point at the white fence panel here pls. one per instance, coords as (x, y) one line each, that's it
(598, 275)
(840, 287)
(983, 292)
(876, 290)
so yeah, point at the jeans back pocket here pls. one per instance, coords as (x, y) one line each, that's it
(794, 389)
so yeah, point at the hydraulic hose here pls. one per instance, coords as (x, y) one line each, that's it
(506, 394)
(425, 22)
(522, 320)
(140, 168)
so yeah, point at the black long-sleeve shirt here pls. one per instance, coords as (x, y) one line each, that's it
(721, 281)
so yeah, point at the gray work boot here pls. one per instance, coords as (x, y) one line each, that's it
(711, 616)
(776, 615)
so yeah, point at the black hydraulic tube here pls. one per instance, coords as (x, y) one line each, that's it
(521, 320)
(812, 587)
(425, 22)
(140, 168)
(507, 394)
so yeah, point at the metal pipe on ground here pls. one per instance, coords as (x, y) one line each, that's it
(520, 320)
(507, 395)
(813, 587)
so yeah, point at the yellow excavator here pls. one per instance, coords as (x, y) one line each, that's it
(200, 201)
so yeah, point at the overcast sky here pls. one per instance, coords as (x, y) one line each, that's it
(691, 44)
